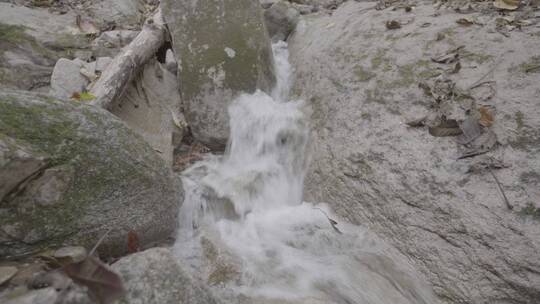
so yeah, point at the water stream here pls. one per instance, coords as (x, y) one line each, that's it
(246, 232)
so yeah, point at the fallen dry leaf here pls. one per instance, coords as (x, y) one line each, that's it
(486, 117)
(103, 284)
(506, 4)
(448, 127)
(133, 242)
(393, 25)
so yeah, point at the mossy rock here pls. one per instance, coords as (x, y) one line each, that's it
(223, 50)
(99, 176)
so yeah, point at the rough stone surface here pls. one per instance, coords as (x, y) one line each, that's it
(125, 13)
(100, 175)
(361, 81)
(150, 106)
(31, 41)
(18, 161)
(102, 63)
(154, 276)
(110, 43)
(66, 78)
(280, 20)
(326, 4)
(223, 49)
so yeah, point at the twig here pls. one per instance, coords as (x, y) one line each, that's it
(99, 242)
(500, 189)
(331, 221)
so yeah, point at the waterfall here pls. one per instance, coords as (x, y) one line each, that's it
(245, 230)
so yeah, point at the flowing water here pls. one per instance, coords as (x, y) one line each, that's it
(246, 231)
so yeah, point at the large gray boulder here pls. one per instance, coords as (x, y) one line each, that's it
(81, 172)
(155, 276)
(223, 49)
(361, 80)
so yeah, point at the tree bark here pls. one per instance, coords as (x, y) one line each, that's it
(125, 66)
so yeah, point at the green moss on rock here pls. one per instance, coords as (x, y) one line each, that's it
(119, 182)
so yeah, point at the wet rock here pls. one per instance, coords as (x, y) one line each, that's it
(6, 273)
(280, 20)
(67, 79)
(361, 82)
(101, 176)
(223, 50)
(154, 276)
(150, 106)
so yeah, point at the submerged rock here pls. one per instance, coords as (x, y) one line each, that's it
(361, 81)
(223, 49)
(99, 175)
(155, 276)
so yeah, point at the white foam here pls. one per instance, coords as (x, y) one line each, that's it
(249, 204)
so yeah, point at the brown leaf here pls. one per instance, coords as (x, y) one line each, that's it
(104, 284)
(393, 25)
(448, 127)
(456, 68)
(442, 132)
(486, 117)
(133, 242)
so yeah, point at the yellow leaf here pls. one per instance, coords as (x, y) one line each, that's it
(486, 117)
(83, 96)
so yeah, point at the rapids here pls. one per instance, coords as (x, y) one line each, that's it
(245, 230)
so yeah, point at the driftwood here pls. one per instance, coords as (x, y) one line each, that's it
(126, 65)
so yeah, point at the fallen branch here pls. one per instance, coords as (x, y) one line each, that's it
(125, 66)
